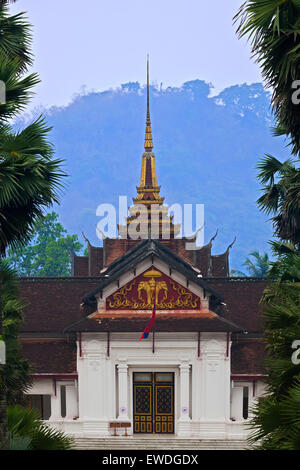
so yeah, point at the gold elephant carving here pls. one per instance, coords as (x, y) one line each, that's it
(149, 288)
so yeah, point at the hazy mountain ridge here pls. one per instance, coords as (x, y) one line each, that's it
(206, 151)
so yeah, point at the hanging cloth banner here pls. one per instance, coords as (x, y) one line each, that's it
(147, 330)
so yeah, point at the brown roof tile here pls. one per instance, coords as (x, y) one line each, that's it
(50, 356)
(242, 299)
(53, 304)
(163, 322)
(247, 356)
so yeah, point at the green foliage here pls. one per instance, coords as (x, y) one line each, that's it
(30, 178)
(17, 369)
(276, 418)
(259, 267)
(281, 196)
(86, 252)
(287, 265)
(276, 421)
(30, 181)
(28, 432)
(17, 88)
(273, 27)
(15, 34)
(48, 253)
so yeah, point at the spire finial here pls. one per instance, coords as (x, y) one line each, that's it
(148, 133)
(148, 109)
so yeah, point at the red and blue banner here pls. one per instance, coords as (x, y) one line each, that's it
(147, 330)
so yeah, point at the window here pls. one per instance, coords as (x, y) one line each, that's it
(142, 376)
(42, 403)
(63, 405)
(164, 377)
(245, 402)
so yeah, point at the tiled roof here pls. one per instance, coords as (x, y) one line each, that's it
(247, 356)
(50, 356)
(164, 322)
(53, 303)
(242, 298)
(137, 254)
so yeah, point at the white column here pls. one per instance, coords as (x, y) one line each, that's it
(92, 390)
(55, 403)
(71, 402)
(237, 403)
(123, 392)
(252, 398)
(184, 421)
(216, 379)
(184, 392)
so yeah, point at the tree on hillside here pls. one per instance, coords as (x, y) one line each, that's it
(30, 177)
(48, 253)
(258, 267)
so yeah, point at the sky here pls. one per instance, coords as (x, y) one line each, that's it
(100, 44)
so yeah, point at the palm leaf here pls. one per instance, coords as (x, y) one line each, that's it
(15, 37)
(24, 423)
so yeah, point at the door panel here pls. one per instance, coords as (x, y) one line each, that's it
(143, 408)
(164, 415)
(153, 402)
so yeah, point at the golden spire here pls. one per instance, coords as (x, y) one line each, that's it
(148, 133)
(148, 193)
(148, 190)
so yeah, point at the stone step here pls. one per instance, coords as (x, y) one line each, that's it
(129, 443)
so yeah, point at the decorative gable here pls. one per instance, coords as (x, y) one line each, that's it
(140, 292)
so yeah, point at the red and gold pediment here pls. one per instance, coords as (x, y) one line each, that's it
(139, 294)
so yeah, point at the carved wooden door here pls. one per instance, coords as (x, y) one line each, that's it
(153, 402)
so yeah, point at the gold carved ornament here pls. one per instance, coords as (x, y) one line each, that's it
(184, 298)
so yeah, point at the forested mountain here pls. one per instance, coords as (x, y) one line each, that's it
(206, 151)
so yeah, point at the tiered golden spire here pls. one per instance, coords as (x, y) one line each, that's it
(148, 190)
(148, 133)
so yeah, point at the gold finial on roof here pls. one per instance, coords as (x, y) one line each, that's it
(148, 133)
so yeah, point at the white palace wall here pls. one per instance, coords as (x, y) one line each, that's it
(207, 403)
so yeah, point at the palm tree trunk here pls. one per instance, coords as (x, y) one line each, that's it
(4, 437)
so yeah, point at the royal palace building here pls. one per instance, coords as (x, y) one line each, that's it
(201, 367)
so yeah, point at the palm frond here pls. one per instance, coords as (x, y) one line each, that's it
(24, 423)
(18, 89)
(15, 37)
(273, 29)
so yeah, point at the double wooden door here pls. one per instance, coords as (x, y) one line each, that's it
(153, 402)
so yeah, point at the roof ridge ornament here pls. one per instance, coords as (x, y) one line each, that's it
(102, 234)
(86, 239)
(231, 244)
(213, 238)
